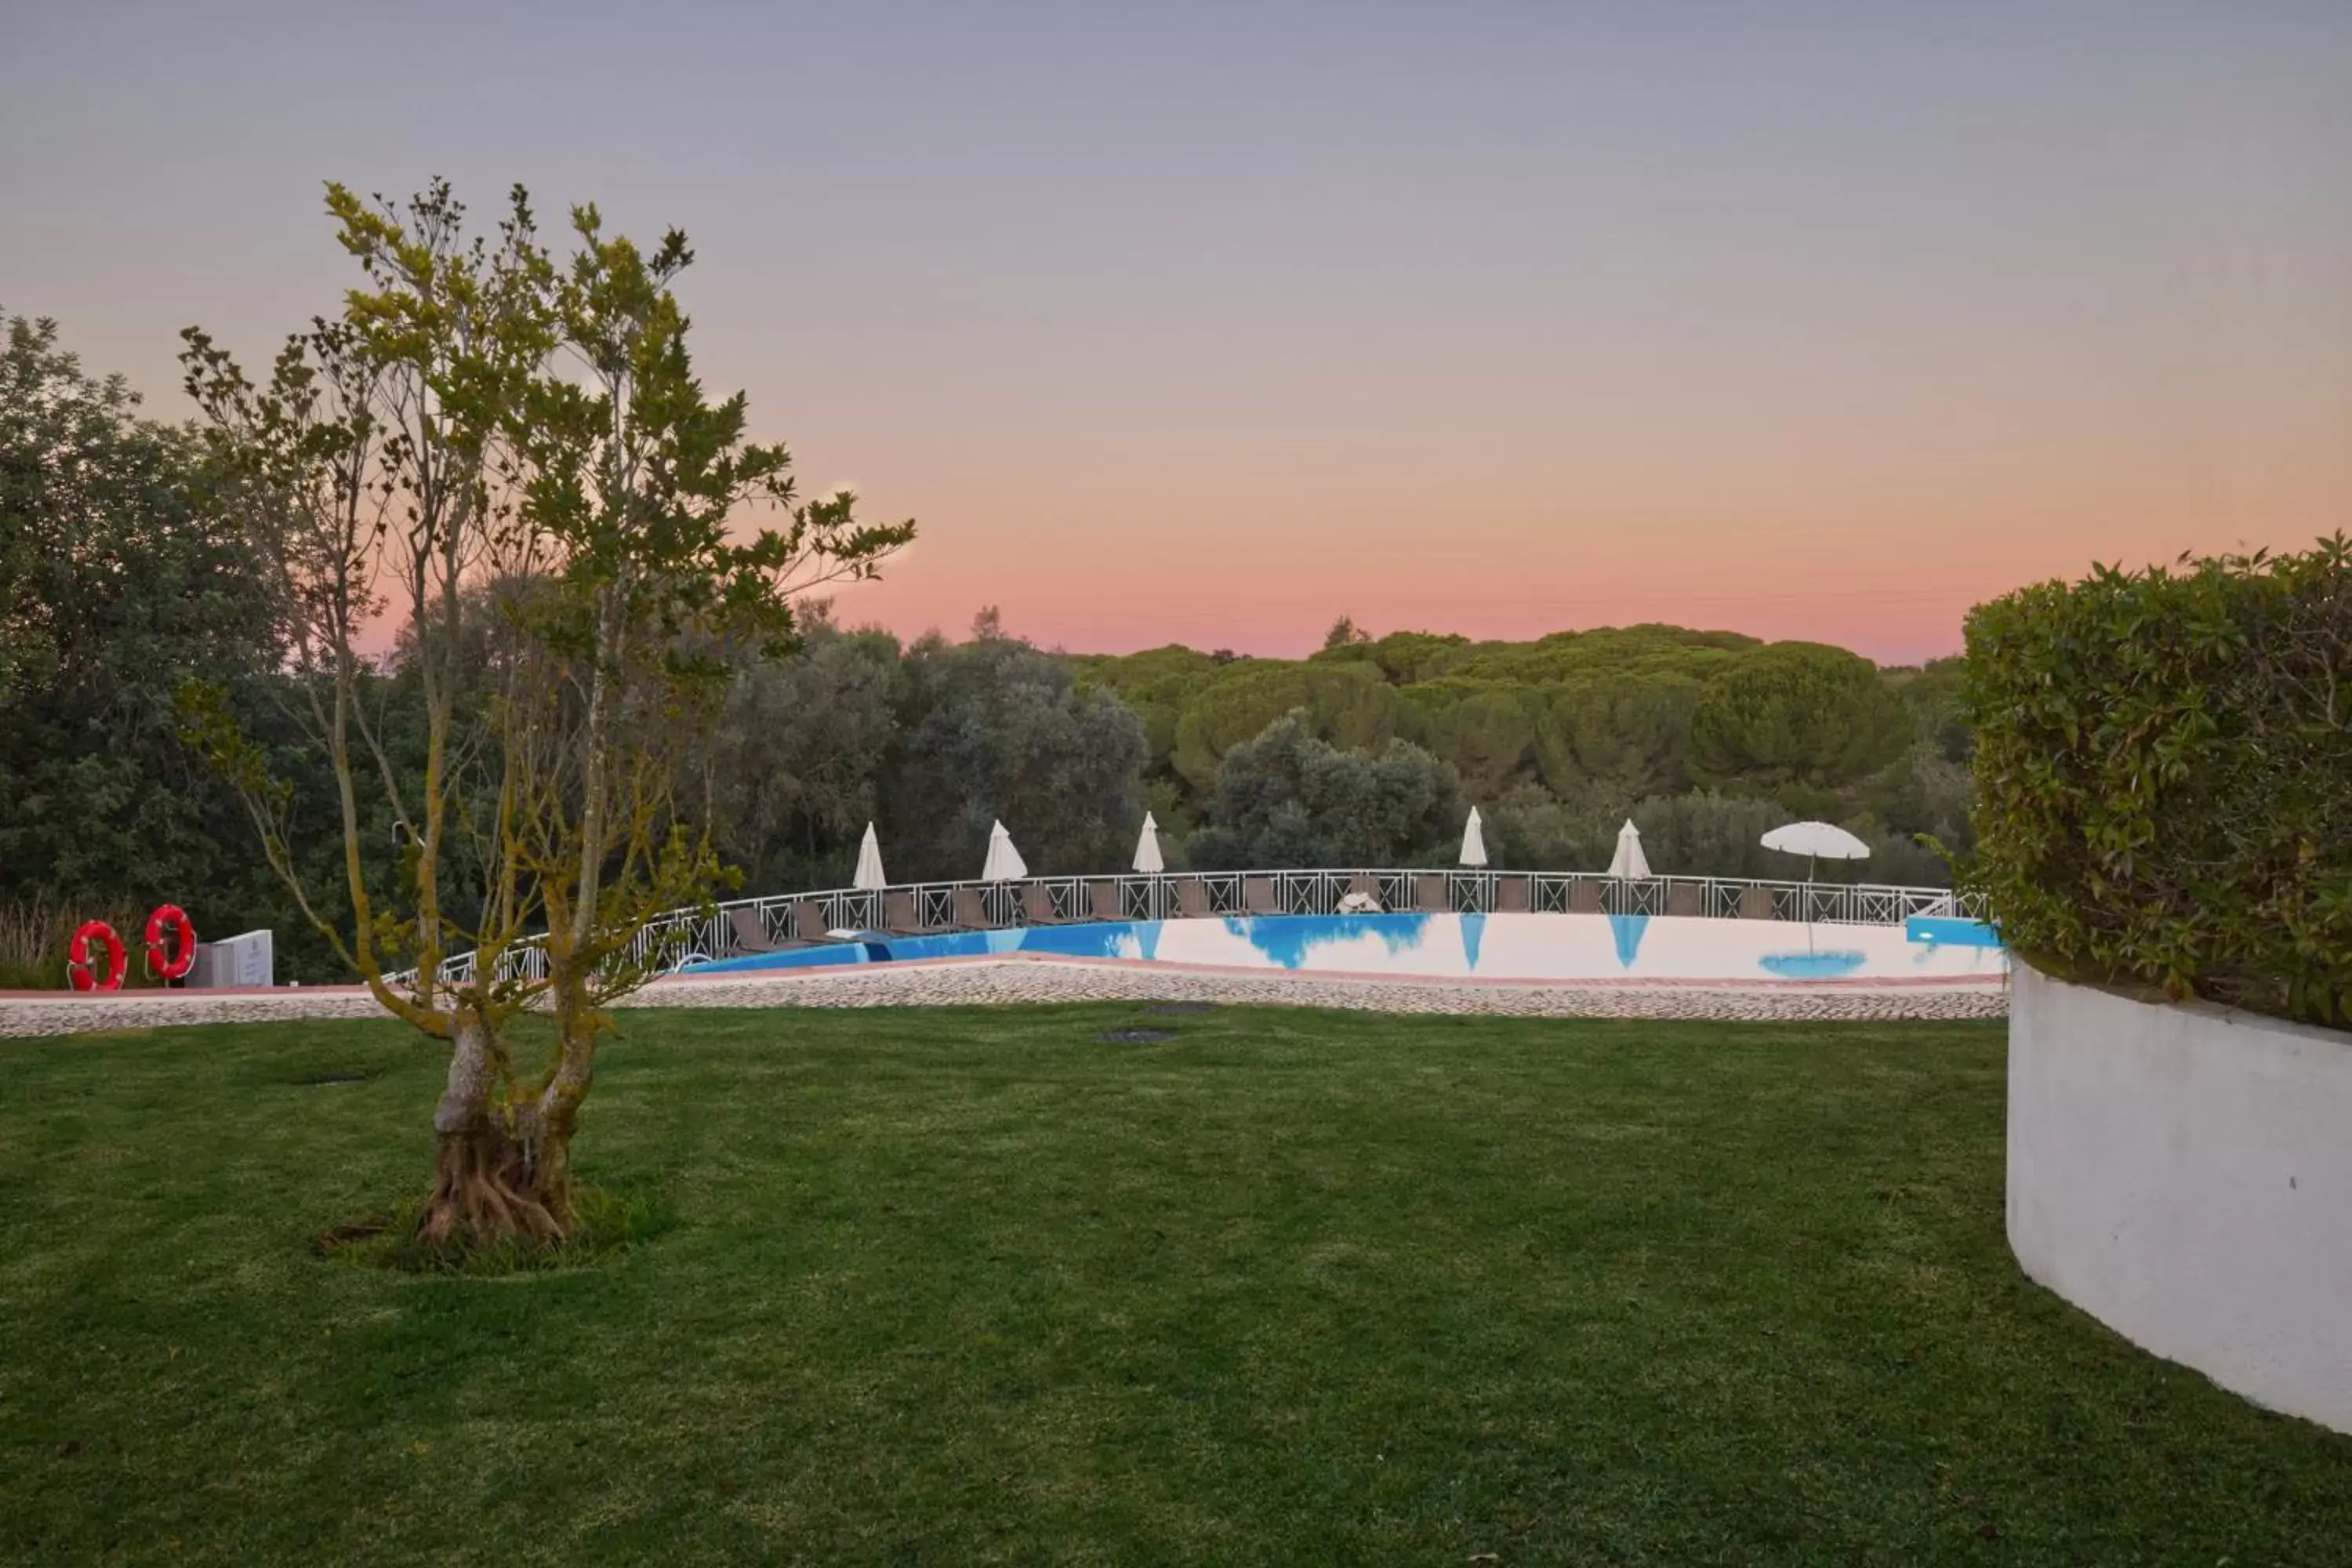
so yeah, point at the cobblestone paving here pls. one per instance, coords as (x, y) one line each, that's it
(1006, 981)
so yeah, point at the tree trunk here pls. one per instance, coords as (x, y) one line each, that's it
(554, 1117)
(550, 1165)
(483, 1192)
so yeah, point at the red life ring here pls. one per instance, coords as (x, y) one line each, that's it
(77, 964)
(170, 914)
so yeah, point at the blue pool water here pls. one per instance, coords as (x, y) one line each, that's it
(1456, 946)
(1946, 928)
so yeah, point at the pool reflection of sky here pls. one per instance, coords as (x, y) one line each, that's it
(1626, 931)
(1498, 946)
(1474, 936)
(1287, 940)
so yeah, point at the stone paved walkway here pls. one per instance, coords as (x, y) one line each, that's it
(997, 981)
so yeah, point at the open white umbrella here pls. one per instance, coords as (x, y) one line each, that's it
(1474, 841)
(1629, 864)
(1816, 841)
(1004, 863)
(1147, 849)
(869, 862)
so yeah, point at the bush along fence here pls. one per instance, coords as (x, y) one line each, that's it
(2164, 777)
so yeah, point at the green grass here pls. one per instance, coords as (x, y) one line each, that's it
(973, 1286)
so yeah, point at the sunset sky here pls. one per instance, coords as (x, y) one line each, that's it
(1210, 323)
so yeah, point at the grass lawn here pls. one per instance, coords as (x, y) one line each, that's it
(979, 1286)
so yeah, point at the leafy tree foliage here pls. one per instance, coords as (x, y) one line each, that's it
(1618, 733)
(1934, 697)
(477, 415)
(365, 466)
(1796, 714)
(123, 573)
(1695, 833)
(797, 764)
(629, 481)
(1156, 683)
(1487, 729)
(1557, 766)
(1401, 658)
(1345, 633)
(1289, 798)
(1641, 652)
(994, 729)
(1561, 739)
(1347, 703)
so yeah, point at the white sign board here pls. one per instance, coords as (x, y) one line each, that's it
(237, 961)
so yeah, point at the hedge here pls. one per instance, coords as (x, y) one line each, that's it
(2164, 777)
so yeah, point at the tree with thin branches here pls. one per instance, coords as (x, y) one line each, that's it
(628, 477)
(516, 458)
(366, 466)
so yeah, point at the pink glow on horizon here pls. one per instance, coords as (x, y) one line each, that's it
(1804, 321)
(1271, 588)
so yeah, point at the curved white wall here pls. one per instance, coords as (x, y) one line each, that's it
(2184, 1174)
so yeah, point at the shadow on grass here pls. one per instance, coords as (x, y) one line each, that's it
(333, 1076)
(610, 1223)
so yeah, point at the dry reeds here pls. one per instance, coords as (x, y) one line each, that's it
(33, 934)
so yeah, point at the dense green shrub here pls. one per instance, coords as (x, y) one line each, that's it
(1286, 798)
(2164, 777)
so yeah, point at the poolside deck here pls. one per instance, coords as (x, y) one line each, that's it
(1022, 978)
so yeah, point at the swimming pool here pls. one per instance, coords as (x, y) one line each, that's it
(1454, 947)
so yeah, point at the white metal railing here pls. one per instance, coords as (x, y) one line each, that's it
(915, 908)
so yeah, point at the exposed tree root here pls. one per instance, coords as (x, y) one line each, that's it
(483, 1196)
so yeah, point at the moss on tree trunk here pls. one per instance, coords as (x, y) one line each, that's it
(488, 1188)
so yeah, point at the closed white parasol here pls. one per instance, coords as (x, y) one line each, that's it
(1148, 861)
(1629, 864)
(1474, 841)
(1004, 863)
(869, 862)
(1816, 841)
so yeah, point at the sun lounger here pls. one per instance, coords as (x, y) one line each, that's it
(1511, 895)
(1756, 903)
(899, 915)
(1428, 893)
(1683, 901)
(1103, 898)
(1191, 899)
(1037, 905)
(1258, 895)
(1584, 897)
(748, 931)
(808, 920)
(972, 909)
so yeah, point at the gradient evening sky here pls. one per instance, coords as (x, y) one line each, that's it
(1211, 322)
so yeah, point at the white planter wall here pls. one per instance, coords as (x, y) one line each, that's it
(2184, 1174)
